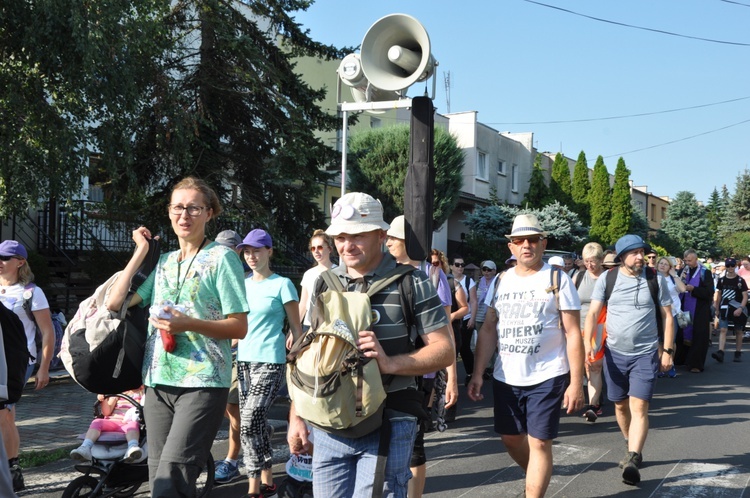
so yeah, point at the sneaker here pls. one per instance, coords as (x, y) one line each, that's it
(718, 356)
(630, 473)
(226, 472)
(746, 336)
(661, 375)
(672, 373)
(636, 458)
(82, 454)
(592, 413)
(17, 478)
(267, 491)
(737, 356)
(133, 454)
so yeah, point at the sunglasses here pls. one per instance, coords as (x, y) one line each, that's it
(317, 248)
(651, 257)
(520, 240)
(459, 265)
(487, 269)
(436, 263)
(731, 266)
(7, 258)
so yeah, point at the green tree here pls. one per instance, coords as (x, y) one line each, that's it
(560, 186)
(638, 222)
(735, 222)
(622, 206)
(380, 158)
(687, 225)
(566, 232)
(600, 200)
(581, 188)
(538, 194)
(714, 210)
(75, 79)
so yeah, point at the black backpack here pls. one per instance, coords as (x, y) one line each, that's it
(16, 353)
(103, 351)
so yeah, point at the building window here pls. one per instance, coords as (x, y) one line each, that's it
(653, 212)
(482, 165)
(501, 168)
(375, 122)
(663, 213)
(514, 178)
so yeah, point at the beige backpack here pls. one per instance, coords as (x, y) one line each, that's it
(332, 384)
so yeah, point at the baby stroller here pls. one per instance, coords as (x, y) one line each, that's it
(107, 475)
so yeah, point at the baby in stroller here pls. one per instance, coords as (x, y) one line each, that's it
(119, 416)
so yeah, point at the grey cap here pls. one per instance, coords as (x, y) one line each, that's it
(229, 238)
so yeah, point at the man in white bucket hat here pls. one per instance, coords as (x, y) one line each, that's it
(342, 466)
(539, 366)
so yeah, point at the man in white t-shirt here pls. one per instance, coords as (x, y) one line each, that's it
(539, 367)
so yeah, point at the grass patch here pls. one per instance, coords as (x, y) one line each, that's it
(30, 459)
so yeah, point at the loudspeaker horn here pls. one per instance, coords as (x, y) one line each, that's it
(351, 74)
(395, 53)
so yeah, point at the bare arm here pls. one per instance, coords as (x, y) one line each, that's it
(571, 320)
(120, 288)
(474, 304)
(486, 344)
(668, 321)
(234, 326)
(304, 297)
(43, 320)
(438, 352)
(595, 308)
(463, 304)
(292, 314)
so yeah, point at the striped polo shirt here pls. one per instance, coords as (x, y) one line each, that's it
(390, 327)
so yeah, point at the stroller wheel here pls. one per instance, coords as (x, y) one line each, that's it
(81, 487)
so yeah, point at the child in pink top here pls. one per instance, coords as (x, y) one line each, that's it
(119, 416)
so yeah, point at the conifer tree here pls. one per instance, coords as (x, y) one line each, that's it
(622, 207)
(735, 223)
(714, 210)
(538, 194)
(600, 200)
(581, 188)
(687, 225)
(560, 186)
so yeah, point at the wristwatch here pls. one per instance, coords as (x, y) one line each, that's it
(669, 351)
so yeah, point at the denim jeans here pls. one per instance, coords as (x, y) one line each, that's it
(345, 468)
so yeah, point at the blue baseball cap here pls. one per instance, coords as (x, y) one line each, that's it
(13, 248)
(256, 238)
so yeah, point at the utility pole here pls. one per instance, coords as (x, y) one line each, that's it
(447, 80)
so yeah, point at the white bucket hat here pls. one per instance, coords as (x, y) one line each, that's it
(525, 225)
(397, 229)
(356, 213)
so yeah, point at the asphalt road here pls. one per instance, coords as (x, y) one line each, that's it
(698, 446)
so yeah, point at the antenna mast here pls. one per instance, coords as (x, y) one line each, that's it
(447, 80)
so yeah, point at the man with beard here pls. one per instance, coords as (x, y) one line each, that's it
(631, 354)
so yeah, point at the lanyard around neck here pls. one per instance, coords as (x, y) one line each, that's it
(180, 284)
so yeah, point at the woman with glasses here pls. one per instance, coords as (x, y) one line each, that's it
(593, 257)
(198, 303)
(17, 289)
(321, 247)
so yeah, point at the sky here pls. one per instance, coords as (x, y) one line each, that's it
(522, 64)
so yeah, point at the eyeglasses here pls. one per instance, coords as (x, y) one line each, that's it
(484, 268)
(178, 209)
(459, 265)
(518, 241)
(651, 257)
(317, 248)
(7, 258)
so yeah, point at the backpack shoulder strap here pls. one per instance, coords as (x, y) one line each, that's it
(27, 300)
(331, 281)
(392, 276)
(611, 279)
(554, 286)
(579, 278)
(653, 284)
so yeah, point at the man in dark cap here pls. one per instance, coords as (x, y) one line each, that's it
(631, 353)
